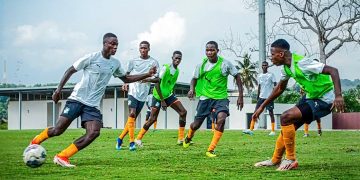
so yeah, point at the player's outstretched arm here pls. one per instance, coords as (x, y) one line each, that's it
(133, 78)
(191, 93)
(68, 73)
(240, 100)
(338, 103)
(151, 80)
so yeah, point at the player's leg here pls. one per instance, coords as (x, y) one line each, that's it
(136, 111)
(70, 112)
(153, 116)
(252, 122)
(318, 121)
(306, 130)
(270, 109)
(179, 108)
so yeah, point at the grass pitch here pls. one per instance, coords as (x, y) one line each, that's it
(335, 155)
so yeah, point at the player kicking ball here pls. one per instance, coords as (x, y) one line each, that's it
(323, 93)
(164, 97)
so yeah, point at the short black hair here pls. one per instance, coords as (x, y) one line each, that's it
(145, 42)
(177, 52)
(265, 62)
(213, 43)
(281, 43)
(108, 35)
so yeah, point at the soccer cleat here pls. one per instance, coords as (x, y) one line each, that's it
(272, 133)
(249, 132)
(186, 143)
(180, 142)
(210, 154)
(63, 161)
(33, 141)
(319, 132)
(306, 135)
(139, 143)
(118, 143)
(264, 163)
(287, 164)
(132, 146)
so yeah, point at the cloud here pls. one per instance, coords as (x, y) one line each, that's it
(167, 31)
(44, 33)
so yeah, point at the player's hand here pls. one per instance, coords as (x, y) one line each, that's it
(240, 103)
(163, 105)
(338, 104)
(152, 71)
(257, 113)
(125, 87)
(191, 94)
(56, 96)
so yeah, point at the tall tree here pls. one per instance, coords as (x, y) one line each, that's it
(247, 70)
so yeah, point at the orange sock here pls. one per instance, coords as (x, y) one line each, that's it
(190, 133)
(131, 127)
(272, 126)
(125, 131)
(141, 134)
(306, 128)
(252, 124)
(289, 141)
(215, 140)
(279, 150)
(181, 133)
(69, 151)
(212, 126)
(41, 137)
(155, 124)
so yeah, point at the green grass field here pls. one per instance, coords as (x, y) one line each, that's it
(335, 155)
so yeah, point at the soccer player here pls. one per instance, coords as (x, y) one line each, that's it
(138, 92)
(209, 83)
(319, 81)
(266, 82)
(165, 97)
(85, 99)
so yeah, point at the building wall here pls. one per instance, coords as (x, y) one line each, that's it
(35, 115)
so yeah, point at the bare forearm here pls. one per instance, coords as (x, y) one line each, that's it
(68, 73)
(133, 78)
(239, 85)
(334, 73)
(157, 87)
(278, 90)
(193, 84)
(152, 80)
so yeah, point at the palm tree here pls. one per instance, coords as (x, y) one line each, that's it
(248, 72)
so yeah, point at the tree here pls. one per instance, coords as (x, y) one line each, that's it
(352, 100)
(333, 22)
(247, 70)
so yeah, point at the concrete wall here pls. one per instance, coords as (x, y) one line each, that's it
(36, 114)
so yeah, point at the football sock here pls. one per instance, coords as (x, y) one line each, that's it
(216, 137)
(252, 124)
(181, 133)
(131, 127)
(272, 126)
(155, 124)
(212, 126)
(191, 133)
(288, 133)
(41, 137)
(141, 134)
(306, 128)
(69, 151)
(125, 131)
(279, 150)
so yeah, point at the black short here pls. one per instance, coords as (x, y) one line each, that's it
(205, 107)
(170, 100)
(135, 104)
(269, 107)
(74, 109)
(312, 109)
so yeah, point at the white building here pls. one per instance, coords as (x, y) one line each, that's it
(33, 108)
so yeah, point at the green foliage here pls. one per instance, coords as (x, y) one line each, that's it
(334, 155)
(3, 125)
(248, 72)
(4, 102)
(4, 85)
(352, 99)
(288, 97)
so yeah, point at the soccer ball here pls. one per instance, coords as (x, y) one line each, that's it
(34, 155)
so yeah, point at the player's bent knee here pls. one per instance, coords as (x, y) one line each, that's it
(94, 134)
(183, 113)
(285, 119)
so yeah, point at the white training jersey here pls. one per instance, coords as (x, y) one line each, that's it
(309, 67)
(138, 65)
(163, 70)
(266, 82)
(227, 68)
(97, 72)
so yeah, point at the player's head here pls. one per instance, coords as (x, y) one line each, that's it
(279, 49)
(144, 48)
(176, 58)
(110, 43)
(264, 66)
(212, 50)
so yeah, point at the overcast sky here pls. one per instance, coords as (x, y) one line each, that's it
(40, 39)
